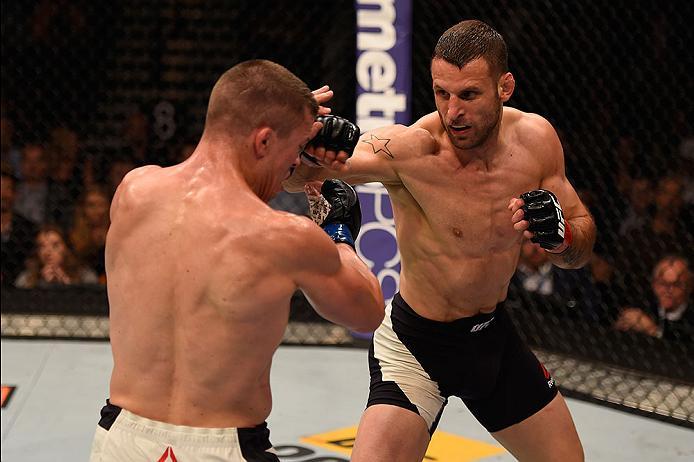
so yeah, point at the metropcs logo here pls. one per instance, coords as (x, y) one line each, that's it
(377, 100)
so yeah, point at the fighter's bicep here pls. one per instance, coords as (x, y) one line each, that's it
(372, 160)
(568, 197)
(554, 173)
(380, 153)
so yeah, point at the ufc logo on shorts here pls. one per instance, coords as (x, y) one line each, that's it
(480, 326)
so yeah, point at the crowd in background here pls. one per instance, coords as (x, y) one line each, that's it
(634, 169)
(55, 215)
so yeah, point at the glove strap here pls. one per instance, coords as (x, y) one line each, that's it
(568, 240)
(339, 232)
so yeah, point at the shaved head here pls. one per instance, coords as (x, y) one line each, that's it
(258, 93)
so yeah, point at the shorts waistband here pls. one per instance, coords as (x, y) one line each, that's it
(182, 433)
(409, 316)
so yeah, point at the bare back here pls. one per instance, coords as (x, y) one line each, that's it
(195, 273)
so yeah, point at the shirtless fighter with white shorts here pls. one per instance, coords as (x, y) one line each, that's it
(201, 272)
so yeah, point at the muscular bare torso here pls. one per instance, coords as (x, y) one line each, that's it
(457, 243)
(193, 276)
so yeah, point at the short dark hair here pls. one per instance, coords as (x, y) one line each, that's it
(259, 92)
(470, 40)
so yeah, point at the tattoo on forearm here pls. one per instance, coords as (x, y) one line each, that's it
(379, 144)
(583, 241)
(572, 255)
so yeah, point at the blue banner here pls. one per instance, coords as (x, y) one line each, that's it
(384, 84)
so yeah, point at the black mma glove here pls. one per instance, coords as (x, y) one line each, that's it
(337, 211)
(546, 220)
(337, 134)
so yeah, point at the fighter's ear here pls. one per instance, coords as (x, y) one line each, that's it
(263, 138)
(506, 86)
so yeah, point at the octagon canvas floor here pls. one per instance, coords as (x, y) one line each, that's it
(319, 393)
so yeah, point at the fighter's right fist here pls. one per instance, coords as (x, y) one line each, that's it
(337, 134)
(343, 221)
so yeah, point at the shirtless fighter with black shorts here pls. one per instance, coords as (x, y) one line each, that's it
(468, 183)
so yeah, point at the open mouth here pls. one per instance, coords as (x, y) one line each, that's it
(460, 129)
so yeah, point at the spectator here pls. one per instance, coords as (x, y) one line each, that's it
(38, 198)
(18, 233)
(63, 160)
(88, 235)
(686, 152)
(640, 200)
(117, 170)
(534, 270)
(136, 134)
(53, 264)
(11, 154)
(671, 316)
(576, 293)
(668, 203)
(666, 233)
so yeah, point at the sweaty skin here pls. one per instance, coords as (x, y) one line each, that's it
(200, 274)
(451, 202)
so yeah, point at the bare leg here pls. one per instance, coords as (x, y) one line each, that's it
(549, 435)
(389, 433)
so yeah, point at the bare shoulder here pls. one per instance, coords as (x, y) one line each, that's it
(303, 245)
(138, 177)
(400, 142)
(529, 127)
(134, 187)
(535, 133)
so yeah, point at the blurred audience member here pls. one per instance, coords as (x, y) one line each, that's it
(639, 202)
(136, 135)
(88, 235)
(117, 170)
(627, 154)
(686, 151)
(534, 270)
(564, 292)
(671, 316)
(666, 233)
(53, 264)
(11, 154)
(63, 160)
(18, 233)
(37, 197)
(668, 207)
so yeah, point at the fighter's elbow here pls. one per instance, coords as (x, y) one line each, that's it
(370, 322)
(374, 314)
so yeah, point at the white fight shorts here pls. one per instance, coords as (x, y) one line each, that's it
(123, 436)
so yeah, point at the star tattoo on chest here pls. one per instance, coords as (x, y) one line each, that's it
(379, 144)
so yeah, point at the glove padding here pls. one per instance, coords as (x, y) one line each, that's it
(343, 220)
(546, 220)
(337, 134)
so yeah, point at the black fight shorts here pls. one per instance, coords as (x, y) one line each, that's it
(417, 364)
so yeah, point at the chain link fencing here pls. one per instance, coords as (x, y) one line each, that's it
(92, 89)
